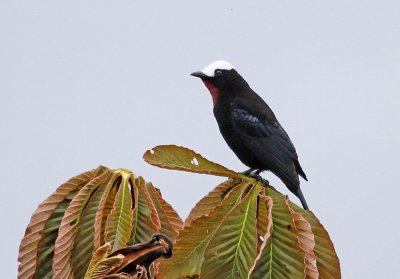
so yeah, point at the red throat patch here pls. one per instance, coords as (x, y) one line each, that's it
(213, 90)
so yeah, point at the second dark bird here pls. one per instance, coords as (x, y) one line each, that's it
(250, 128)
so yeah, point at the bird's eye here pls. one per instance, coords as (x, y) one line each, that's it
(218, 72)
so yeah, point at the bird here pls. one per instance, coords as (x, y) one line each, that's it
(250, 128)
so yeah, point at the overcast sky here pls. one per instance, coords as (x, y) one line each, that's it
(84, 83)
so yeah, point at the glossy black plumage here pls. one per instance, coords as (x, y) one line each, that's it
(251, 129)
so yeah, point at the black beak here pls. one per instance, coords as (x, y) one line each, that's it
(199, 74)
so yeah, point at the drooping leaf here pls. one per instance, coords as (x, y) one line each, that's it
(327, 261)
(119, 222)
(37, 247)
(104, 209)
(71, 224)
(264, 216)
(84, 245)
(154, 216)
(46, 248)
(264, 225)
(143, 225)
(66, 236)
(193, 239)
(306, 242)
(170, 221)
(181, 158)
(233, 247)
(211, 200)
(280, 257)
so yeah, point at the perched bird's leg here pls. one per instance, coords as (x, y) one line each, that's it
(259, 177)
(255, 173)
(248, 172)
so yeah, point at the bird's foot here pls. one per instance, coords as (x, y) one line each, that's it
(259, 178)
(255, 173)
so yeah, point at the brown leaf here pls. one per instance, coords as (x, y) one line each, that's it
(143, 225)
(327, 260)
(103, 210)
(306, 241)
(28, 251)
(154, 214)
(83, 244)
(170, 221)
(65, 240)
(264, 218)
(180, 158)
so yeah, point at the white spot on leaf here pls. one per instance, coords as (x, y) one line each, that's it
(194, 161)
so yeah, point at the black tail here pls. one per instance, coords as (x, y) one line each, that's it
(291, 180)
(299, 194)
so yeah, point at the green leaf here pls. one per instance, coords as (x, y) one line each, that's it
(232, 249)
(180, 158)
(119, 222)
(264, 216)
(98, 255)
(211, 200)
(104, 209)
(280, 256)
(191, 242)
(104, 267)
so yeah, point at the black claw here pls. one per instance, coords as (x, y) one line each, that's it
(256, 175)
(259, 178)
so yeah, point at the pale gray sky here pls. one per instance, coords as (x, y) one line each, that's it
(84, 83)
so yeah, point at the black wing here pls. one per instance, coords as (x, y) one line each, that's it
(253, 126)
(269, 141)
